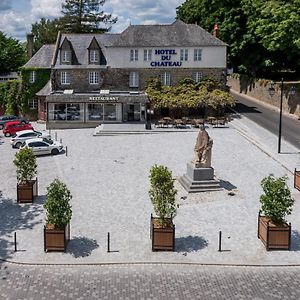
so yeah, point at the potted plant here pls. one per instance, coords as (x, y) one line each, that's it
(276, 204)
(162, 194)
(27, 187)
(58, 217)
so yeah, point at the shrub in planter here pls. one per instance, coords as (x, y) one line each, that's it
(58, 216)
(26, 168)
(276, 204)
(162, 194)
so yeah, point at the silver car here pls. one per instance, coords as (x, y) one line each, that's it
(42, 146)
(21, 136)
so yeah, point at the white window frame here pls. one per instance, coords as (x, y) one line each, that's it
(197, 54)
(33, 103)
(93, 77)
(134, 79)
(32, 77)
(134, 54)
(94, 55)
(197, 76)
(165, 78)
(66, 56)
(184, 54)
(65, 78)
(147, 54)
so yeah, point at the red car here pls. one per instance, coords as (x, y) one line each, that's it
(12, 127)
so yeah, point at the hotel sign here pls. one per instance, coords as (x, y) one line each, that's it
(165, 58)
(104, 98)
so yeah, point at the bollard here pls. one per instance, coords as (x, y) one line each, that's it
(15, 241)
(60, 141)
(220, 241)
(66, 150)
(55, 135)
(108, 243)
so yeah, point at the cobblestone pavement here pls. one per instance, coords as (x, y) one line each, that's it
(147, 282)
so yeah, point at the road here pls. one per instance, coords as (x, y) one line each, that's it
(139, 282)
(269, 119)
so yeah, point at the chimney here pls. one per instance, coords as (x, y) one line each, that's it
(216, 31)
(29, 45)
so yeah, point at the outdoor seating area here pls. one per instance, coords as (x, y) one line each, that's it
(184, 122)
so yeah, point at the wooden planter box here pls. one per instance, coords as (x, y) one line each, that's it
(297, 180)
(162, 238)
(274, 236)
(56, 239)
(27, 191)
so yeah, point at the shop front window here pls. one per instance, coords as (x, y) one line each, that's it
(95, 112)
(110, 113)
(65, 112)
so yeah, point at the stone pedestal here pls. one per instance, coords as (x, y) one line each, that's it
(199, 179)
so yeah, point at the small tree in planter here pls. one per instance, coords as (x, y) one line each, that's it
(26, 165)
(58, 217)
(276, 203)
(162, 194)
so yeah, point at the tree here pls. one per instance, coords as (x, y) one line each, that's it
(86, 16)
(12, 54)
(45, 31)
(262, 35)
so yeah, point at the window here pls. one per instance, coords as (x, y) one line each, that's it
(147, 54)
(32, 76)
(65, 56)
(134, 79)
(165, 78)
(134, 55)
(184, 54)
(93, 77)
(33, 104)
(197, 76)
(65, 78)
(197, 54)
(94, 55)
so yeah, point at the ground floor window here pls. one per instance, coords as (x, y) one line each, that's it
(133, 112)
(65, 112)
(33, 104)
(94, 112)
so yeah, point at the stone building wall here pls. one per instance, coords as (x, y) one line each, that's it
(259, 89)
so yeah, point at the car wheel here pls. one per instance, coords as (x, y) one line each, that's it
(18, 145)
(7, 134)
(54, 151)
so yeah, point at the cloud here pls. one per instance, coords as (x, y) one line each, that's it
(45, 8)
(5, 4)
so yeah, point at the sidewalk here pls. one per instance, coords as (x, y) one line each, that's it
(108, 178)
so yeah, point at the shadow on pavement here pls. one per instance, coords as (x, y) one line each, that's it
(190, 243)
(242, 108)
(14, 218)
(295, 243)
(80, 246)
(227, 185)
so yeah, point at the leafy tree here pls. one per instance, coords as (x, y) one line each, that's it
(276, 201)
(262, 35)
(86, 16)
(12, 54)
(45, 31)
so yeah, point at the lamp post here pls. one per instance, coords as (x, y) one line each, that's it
(272, 92)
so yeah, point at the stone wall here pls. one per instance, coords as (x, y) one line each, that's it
(259, 89)
(118, 79)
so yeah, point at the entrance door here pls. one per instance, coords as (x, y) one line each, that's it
(132, 112)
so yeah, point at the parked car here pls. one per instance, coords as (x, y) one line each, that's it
(8, 118)
(21, 136)
(12, 127)
(42, 146)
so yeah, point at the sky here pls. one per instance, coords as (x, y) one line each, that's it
(16, 16)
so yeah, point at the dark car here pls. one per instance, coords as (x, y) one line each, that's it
(9, 118)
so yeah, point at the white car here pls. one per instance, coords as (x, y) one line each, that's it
(42, 146)
(21, 136)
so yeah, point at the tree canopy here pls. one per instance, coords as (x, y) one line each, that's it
(86, 16)
(263, 35)
(12, 54)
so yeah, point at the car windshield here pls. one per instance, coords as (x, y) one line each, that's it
(14, 135)
(48, 141)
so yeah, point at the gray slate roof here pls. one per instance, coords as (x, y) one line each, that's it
(46, 90)
(41, 59)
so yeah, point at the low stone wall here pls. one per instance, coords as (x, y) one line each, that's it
(259, 89)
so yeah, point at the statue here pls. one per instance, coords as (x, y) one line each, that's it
(203, 149)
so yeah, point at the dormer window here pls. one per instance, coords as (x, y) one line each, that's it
(94, 56)
(65, 56)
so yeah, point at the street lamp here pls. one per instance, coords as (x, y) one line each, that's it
(292, 91)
